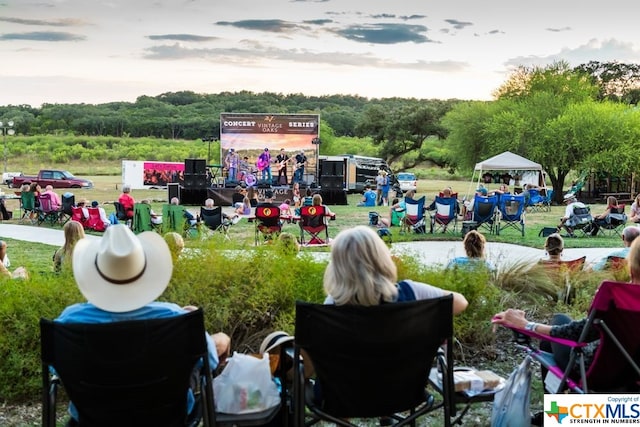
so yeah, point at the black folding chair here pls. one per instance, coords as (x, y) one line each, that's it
(215, 221)
(369, 362)
(130, 373)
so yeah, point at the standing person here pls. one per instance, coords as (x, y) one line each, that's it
(301, 160)
(296, 195)
(264, 165)
(127, 201)
(231, 161)
(362, 272)
(73, 232)
(115, 277)
(386, 186)
(379, 184)
(282, 160)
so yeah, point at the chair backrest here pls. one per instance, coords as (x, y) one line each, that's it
(312, 216)
(414, 207)
(121, 214)
(373, 361)
(95, 222)
(126, 373)
(46, 205)
(268, 215)
(212, 218)
(616, 305)
(484, 208)
(534, 196)
(445, 208)
(28, 200)
(141, 218)
(616, 263)
(511, 207)
(582, 214)
(77, 215)
(173, 218)
(572, 265)
(68, 202)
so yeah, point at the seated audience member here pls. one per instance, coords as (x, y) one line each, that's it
(237, 196)
(297, 197)
(18, 273)
(474, 246)
(634, 214)
(467, 205)
(629, 234)
(527, 192)
(35, 188)
(503, 189)
(553, 246)
(288, 243)
(562, 326)
(209, 204)
(56, 204)
(567, 221)
(73, 232)
(362, 272)
(127, 201)
(156, 218)
(252, 194)
(103, 214)
(317, 201)
(369, 197)
(446, 193)
(244, 208)
(601, 219)
(185, 213)
(397, 205)
(175, 243)
(268, 199)
(113, 275)
(308, 198)
(285, 208)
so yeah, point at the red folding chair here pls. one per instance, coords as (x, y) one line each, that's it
(312, 223)
(267, 222)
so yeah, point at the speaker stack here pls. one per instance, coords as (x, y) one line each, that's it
(195, 174)
(332, 183)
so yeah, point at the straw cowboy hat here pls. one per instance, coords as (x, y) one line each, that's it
(122, 272)
(273, 340)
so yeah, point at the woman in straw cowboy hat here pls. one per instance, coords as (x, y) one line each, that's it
(121, 275)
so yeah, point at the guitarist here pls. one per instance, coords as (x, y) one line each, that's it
(264, 165)
(298, 174)
(282, 160)
(231, 164)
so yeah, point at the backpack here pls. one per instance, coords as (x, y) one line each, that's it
(373, 218)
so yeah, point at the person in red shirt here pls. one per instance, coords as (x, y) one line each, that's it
(126, 200)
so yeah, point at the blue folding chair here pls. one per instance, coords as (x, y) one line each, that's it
(445, 213)
(484, 211)
(511, 209)
(414, 214)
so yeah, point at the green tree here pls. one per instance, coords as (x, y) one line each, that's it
(616, 81)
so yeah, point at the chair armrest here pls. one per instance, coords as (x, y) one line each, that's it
(563, 341)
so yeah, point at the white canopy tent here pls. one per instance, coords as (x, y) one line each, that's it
(512, 164)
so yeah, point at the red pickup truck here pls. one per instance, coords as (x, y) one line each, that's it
(56, 178)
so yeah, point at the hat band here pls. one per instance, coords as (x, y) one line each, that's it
(120, 282)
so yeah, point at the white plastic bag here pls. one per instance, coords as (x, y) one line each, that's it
(511, 405)
(245, 385)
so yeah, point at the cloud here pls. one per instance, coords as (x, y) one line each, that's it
(39, 22)
(593, 50)
(254, 52)
(458, 25)
(319, 21)
(559, 30)
(383, 16)
(386, 33)
(270, 25)
(182, 37)
(43, 36)
(410, 17)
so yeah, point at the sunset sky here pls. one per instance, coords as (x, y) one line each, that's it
(93, 51)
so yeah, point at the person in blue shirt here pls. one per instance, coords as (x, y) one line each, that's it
(629, 234)
(369, 197)
(121, 275)
(474, 244)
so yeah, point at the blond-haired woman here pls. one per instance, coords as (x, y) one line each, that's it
(361, 272)
(73, 231)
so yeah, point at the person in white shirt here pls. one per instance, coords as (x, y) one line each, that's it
(567, 221)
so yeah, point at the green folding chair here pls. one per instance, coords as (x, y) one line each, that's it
(142, 218)
(173, 219)
(28, 205)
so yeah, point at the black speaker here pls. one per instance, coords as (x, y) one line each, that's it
(193, 196)
(173, 191)
(192, 180)
(331, 167)
(331, 182)
(334, 197)
(201, 180)
(195, 166)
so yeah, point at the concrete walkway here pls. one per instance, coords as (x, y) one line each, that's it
(430, 252)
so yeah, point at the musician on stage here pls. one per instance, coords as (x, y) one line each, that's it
(231, 164)
(298, 174)
(282, 160)
(264, 165)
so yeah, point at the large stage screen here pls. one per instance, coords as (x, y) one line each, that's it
(250, 134)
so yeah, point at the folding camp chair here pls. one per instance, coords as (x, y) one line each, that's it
(121, 214)
(511, 213)
(580, 220)
(127, 373)
(354, 376)
(414, 215)
(77, 214)
(95, 223)
(614, 222)
(28, 205)
(484, 211)
(614, 368)
(214, 220)
(313, 223)
(46, 212)
(267, 222)
(397, 217)
(68, 202)
(445, 214)
(560, 273)
(142, 218)
(173, 219)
